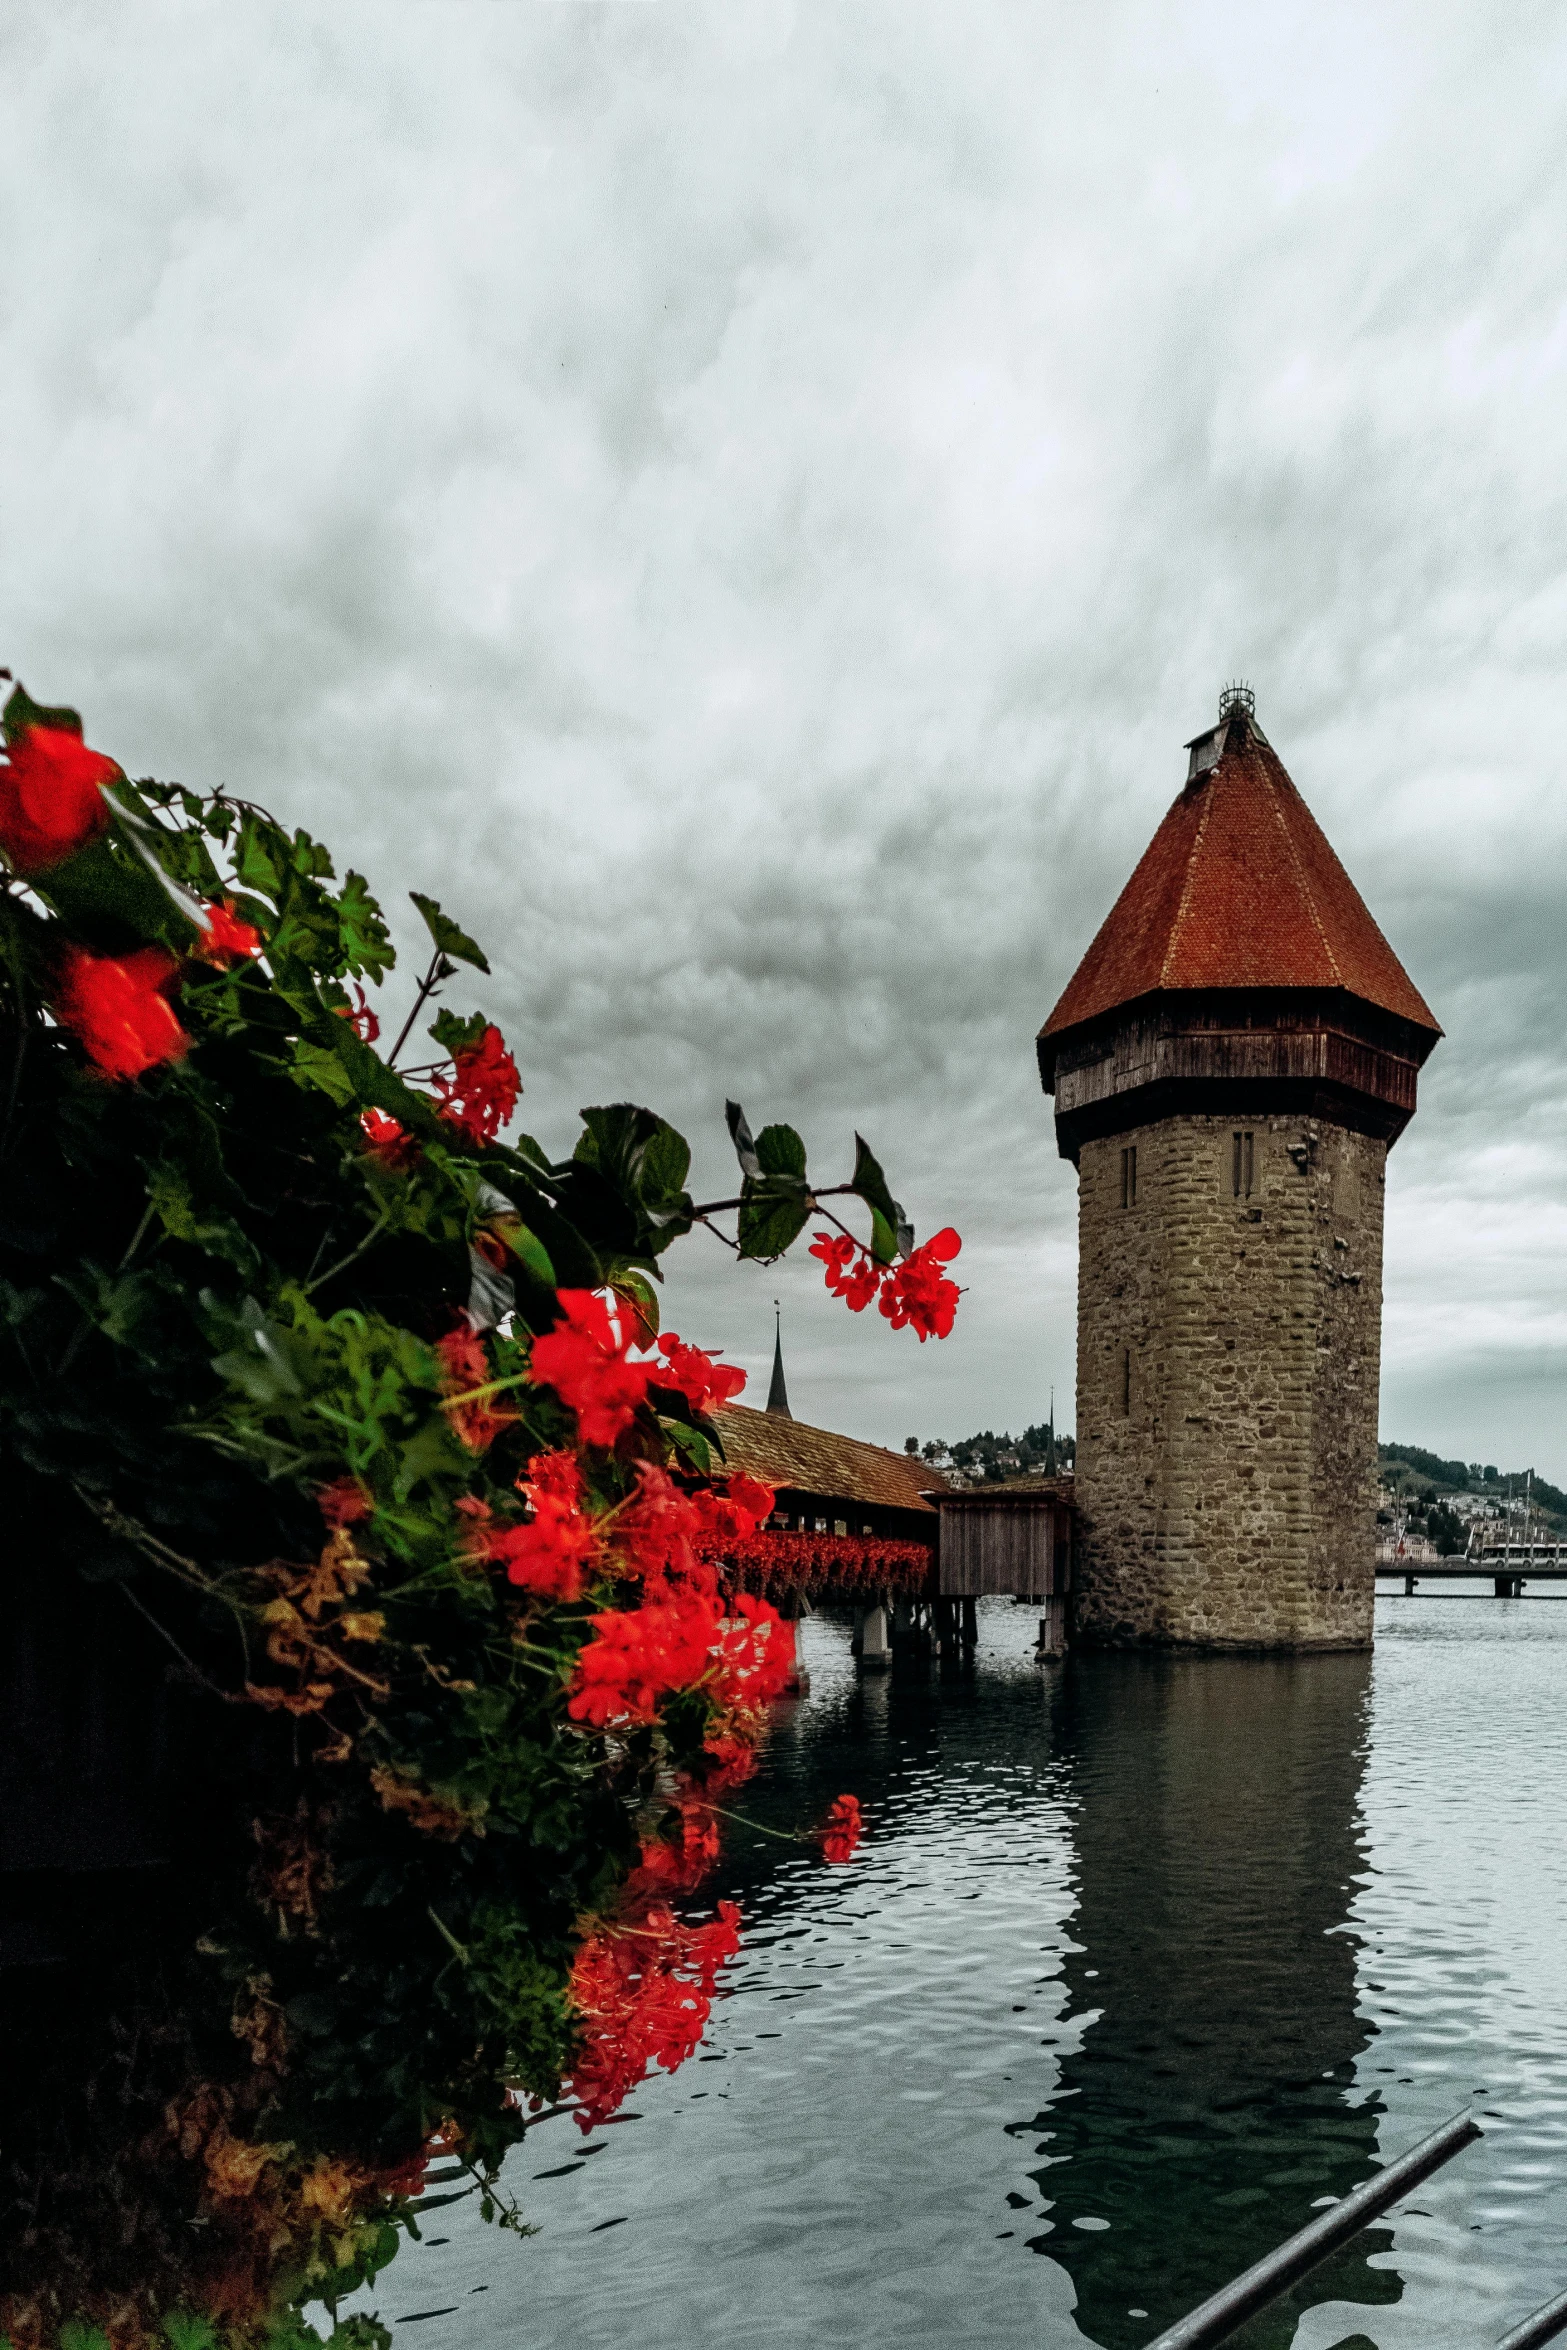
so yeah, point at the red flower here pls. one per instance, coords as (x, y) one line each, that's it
(852, 1272)
(548, 1555)
(481, 1093)
(638, 1656)
(704, 1383)
(643, 1993)
(751, 1664)
(227, 939)
(777, 1562)
(583, 1359)
(51, 800)
(914, 1295)
(361, 1019)
(678, 1865)
(389, 1140)
(842, 1832)
(727, 1761)
(671, 1538)
(344, 1502)
(117, 1008)
(918, 1293)
(465, 1366)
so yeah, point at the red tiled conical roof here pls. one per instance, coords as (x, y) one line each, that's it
(1238, 889)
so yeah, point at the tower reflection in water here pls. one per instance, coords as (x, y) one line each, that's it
(1211, 2101)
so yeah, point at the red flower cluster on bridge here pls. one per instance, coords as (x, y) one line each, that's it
(777, 1563)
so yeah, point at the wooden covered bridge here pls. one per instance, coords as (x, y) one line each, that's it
(890, 1535)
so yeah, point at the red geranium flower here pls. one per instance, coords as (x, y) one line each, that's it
(226, 939)
(361, 1019)
(389, 1140)
(583, 1359)
(852, 1272)
(344, 1502)
(638, 1656)
(918, 1293)
(843, 1829)
(51, 800)
(465, 1366)
(643, 1994)
(116, 1006)
(671, 1538)
(481, 1093)
(704, 1383)
(914, 1295)
(548, 1555)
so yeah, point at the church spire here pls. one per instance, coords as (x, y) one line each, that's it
(778, 1394)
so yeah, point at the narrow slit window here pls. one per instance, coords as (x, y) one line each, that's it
(1242, 1165)
(1126, 1382)
(1129, 1176)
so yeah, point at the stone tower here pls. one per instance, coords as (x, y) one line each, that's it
(1231, 1062)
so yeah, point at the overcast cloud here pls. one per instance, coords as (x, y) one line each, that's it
(745, 503)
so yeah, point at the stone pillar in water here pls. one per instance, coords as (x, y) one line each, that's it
(1231, 1062)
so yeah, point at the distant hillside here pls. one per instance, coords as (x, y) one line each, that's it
(1409, 1469)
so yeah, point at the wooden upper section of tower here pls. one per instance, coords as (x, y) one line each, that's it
(1239, 970)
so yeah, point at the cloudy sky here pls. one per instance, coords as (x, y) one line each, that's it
(744, 503)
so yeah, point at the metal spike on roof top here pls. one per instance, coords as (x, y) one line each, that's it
(778, 1394)
(1237, 696)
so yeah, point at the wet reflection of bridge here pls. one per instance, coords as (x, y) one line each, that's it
(1210, 2103)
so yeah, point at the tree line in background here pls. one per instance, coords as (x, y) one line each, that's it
(988, 1459)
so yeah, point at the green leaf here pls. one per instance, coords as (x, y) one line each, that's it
(645, 1161)
(770, 1223)
(109, 897)
(454, 1035)
(699, 1450)
(887, 1218)
(169, 1194)
(780, 1151)
(448, 938)
(269, 1364)
(775, 1201)
(528, 1249)
(190, 2333)
(641, 1294)
(367, 945)
(314, 1065)
(21, 712)
(259, 856)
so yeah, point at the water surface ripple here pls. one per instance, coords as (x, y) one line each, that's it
(1144, 1959)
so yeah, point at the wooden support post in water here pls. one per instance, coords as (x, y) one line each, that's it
(970, 1632)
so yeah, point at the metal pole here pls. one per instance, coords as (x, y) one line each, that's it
(1256, 2286)
(1544, 2326)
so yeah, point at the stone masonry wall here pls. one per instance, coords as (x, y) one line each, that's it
(1227, 1372)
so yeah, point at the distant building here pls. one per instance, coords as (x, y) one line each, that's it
(1231, 1062)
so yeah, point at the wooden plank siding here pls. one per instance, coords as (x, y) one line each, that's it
(1004, 1542)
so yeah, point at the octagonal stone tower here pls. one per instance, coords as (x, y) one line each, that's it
(1234, 1057)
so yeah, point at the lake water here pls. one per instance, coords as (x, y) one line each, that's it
(1142, 1959)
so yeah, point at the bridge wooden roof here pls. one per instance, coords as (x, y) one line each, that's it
(1238, 888)
(815, 1460)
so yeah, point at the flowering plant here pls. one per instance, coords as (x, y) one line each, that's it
(347, 1430)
